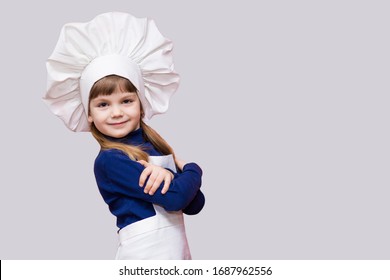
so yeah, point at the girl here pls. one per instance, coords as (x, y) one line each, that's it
(106, 76)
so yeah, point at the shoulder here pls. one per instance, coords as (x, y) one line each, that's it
(116, 165)
(110, 157)
(109, 154)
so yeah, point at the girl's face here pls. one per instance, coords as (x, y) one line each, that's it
(117, 114)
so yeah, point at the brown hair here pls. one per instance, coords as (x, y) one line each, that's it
(106, 86)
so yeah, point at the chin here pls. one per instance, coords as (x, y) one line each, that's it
(120, 135)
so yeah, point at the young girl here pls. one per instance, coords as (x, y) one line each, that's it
(106, 76)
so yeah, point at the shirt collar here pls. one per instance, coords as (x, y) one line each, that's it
(136, 137)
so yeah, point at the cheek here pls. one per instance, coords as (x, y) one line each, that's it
(95, 116)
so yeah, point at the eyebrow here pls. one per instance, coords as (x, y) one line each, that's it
(106, 97)
(130, 93)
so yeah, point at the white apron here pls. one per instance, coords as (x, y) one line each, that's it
(161, 237)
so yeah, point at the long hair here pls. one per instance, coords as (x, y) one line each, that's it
(107, 86)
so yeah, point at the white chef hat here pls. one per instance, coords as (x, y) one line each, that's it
(111, 43)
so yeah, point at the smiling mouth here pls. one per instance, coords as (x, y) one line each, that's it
(119, 123)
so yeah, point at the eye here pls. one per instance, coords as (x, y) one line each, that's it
(128, 101)
(102, 104)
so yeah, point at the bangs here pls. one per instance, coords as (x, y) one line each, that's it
(109, 84)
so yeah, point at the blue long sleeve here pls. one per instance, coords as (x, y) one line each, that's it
(118, 180)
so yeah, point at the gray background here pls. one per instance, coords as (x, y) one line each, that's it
(285, 105)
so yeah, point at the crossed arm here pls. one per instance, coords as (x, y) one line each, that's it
(117, 176)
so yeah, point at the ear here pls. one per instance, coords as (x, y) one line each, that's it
(90, 119)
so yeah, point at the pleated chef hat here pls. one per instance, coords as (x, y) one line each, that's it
(111, 43)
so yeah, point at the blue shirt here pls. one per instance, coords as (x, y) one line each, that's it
(117, 177)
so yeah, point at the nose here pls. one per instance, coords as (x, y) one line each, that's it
(116, 112)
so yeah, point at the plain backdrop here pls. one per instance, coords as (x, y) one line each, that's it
(284, 104)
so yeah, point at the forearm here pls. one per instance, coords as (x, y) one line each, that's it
(118, 175)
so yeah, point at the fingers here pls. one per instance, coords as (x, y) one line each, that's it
(144, 175)
(154, 176)
(167, 182)
(154, 182)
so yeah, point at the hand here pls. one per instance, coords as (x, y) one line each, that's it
(180, 163)
(156, 175)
